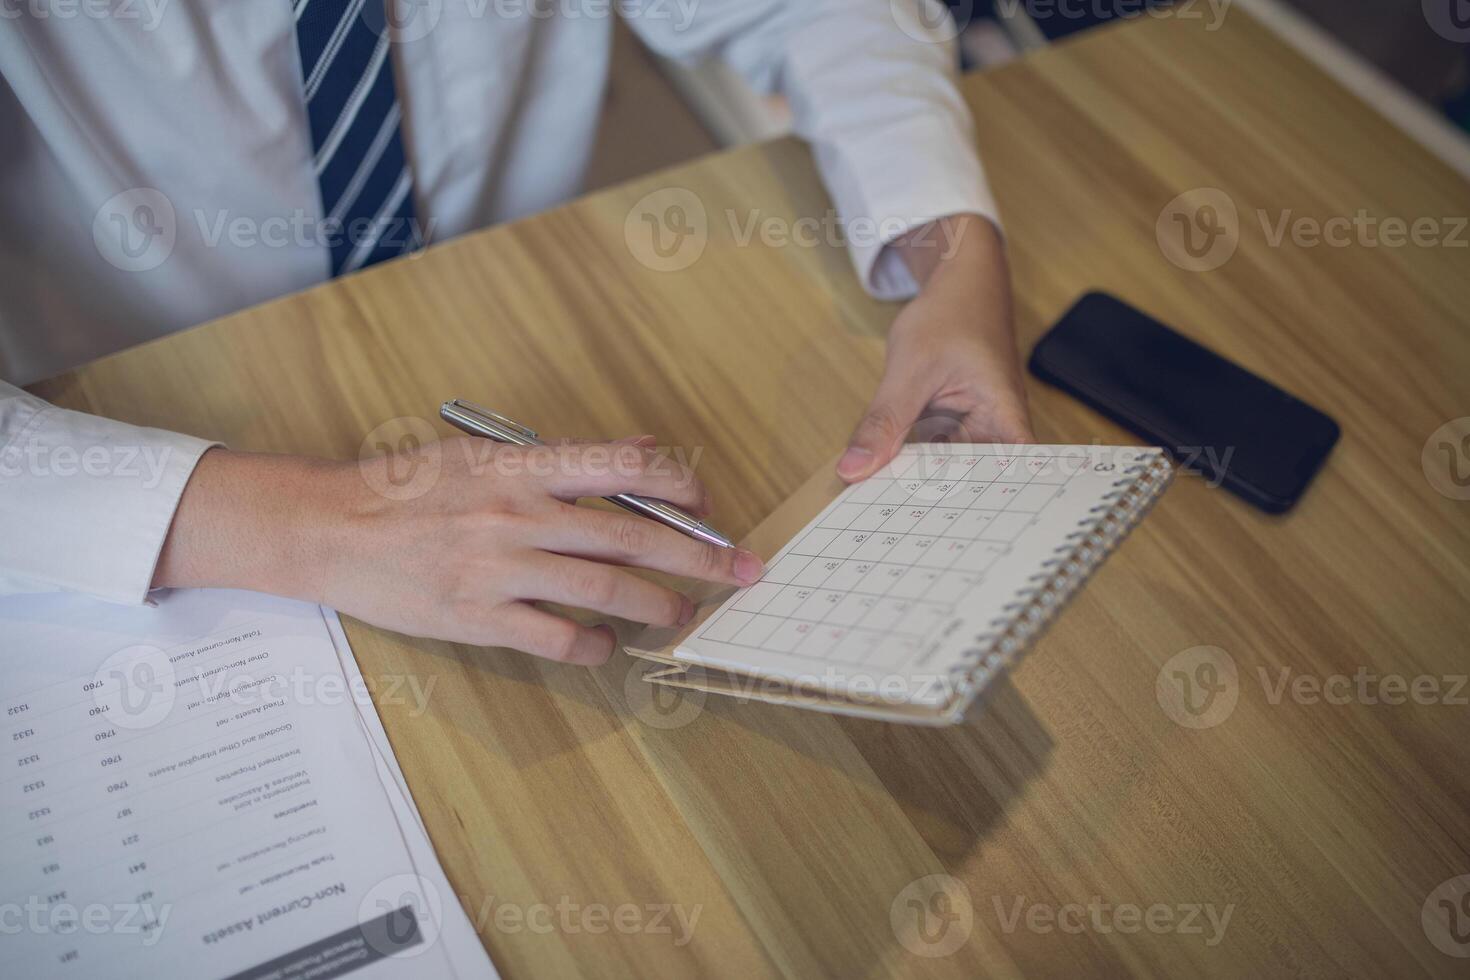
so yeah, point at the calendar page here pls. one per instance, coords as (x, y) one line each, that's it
(887, 591)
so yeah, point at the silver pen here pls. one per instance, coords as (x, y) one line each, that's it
(478, 421)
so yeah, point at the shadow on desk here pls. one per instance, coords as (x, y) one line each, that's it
(810, 822)
(953, 783)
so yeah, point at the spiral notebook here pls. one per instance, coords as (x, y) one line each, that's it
(906, 594)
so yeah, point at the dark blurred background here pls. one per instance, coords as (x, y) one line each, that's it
(659, 113)
(1395, 36)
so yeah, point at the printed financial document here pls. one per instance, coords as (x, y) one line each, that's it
(202, 788)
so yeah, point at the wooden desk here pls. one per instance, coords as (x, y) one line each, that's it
(1323, 827)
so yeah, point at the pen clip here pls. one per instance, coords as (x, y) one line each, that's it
(496, 417)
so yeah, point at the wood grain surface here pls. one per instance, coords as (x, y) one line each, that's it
(1086, 832)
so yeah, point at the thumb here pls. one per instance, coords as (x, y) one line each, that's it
(877, 438)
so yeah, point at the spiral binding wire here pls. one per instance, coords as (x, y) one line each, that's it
(1071, 565)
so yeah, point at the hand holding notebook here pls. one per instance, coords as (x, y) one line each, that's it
(905, 594)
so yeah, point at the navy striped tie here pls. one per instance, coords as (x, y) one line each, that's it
(367, 190)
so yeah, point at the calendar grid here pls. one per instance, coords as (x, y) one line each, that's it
(818, 602)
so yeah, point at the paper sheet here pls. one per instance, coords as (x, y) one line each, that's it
(201, 789)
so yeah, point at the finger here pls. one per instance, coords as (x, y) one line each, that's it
(896, 405)
(606, 589)
(605, 469)
(535, 631)
(627, 540)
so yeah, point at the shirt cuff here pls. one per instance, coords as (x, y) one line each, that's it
(85, 502)
(904, 178)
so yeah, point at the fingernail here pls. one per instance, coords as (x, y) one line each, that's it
(748, 567)
(687, 612)
(854, 462)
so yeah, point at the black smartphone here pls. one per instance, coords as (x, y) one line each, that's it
(1212, 415)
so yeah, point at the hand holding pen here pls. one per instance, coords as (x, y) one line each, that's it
(456, 540)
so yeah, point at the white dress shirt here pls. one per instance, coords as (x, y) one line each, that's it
(195, 111)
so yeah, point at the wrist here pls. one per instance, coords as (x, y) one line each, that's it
(266, 523)
(967, 245)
